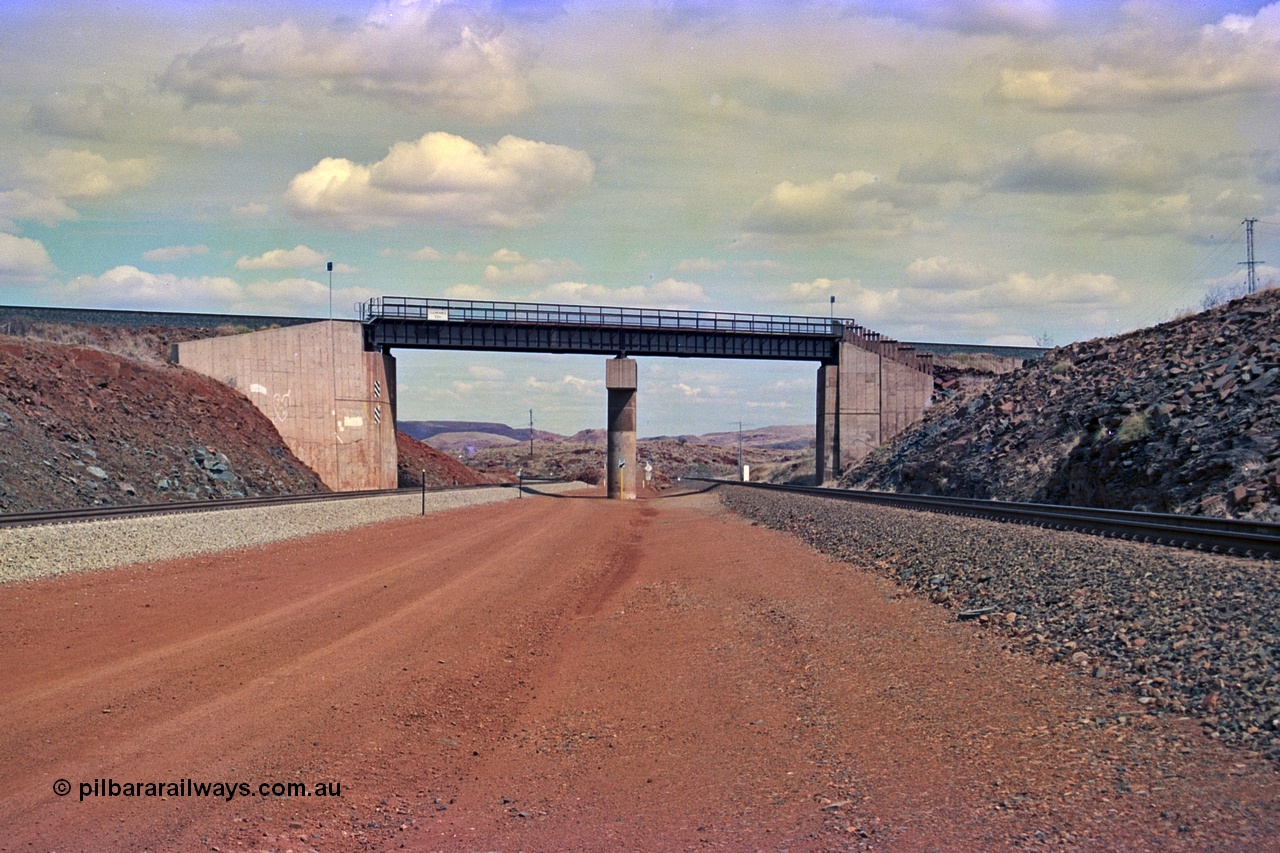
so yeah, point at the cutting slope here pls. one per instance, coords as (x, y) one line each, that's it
(1182, 417)
(81, 427)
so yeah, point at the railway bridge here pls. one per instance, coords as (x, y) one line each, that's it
(330, 386)
(869, 388)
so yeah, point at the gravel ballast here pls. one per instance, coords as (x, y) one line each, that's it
(1188, 633)
(34, 552)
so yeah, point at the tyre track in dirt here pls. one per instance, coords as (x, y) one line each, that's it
(575, 673)
(253, 647)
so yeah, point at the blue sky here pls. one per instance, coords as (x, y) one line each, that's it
(964, 170)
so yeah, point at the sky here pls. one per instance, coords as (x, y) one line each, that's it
(977, 171)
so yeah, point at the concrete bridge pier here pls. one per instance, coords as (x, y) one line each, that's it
(620, 467)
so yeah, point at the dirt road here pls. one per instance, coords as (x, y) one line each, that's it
(571, 673)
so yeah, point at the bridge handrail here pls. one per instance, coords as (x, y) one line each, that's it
(465, 310)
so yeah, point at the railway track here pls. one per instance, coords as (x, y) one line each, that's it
(1254, 539)
(71, 516)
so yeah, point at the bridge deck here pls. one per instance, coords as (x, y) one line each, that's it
(598, 330)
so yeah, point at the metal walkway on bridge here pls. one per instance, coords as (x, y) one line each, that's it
(426, 323)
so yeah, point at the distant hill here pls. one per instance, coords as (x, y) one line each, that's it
(456, 436)
(786, 437)
(423, 430)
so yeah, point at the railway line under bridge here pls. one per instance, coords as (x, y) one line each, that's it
(329, 386)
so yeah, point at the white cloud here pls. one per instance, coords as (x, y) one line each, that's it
(23, 204)
(485, 373)
(213, 138)
(696, 394)
(963, 297)
(698, 265)
(1187, 216)
(687, 390)
(299, 297)
(173, 253)
(1148, 63)
(848, 204)
(1071, 161)
(443, 178)
(23, 259)
(252, 210)
(943, 274)
(299, 257)
(426, 55)
(854, 300)
(82, 115)
(130, 287)
(85, 175)
(530, 272)
(577, 384)
(669, 293)
(507, 256)
(583, 386)
(426, 253)
(944, 282)
(970, 16)
(945, 165)
(469, 291)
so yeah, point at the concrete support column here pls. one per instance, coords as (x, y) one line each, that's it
(620, 467)
(827, 445)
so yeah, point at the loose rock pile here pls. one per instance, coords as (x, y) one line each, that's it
(1190, 634)
(417, 462)
(1182, 417)
(85, 427)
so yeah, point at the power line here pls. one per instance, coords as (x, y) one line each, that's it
(1215, 257)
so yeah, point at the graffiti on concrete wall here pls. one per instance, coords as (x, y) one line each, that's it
(280, 405)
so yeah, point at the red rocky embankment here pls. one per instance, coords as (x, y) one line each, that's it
(83, 427)
(1182, 417)
(419, 463)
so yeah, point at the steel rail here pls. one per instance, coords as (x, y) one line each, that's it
(1256, 539)
(71, 516)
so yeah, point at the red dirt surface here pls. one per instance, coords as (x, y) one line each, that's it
(564, 674)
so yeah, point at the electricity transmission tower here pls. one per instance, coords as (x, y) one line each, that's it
(1250, 263)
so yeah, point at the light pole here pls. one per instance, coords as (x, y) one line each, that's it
(329, 266)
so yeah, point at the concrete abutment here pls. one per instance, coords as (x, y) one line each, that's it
(874, 391)
(332, 401)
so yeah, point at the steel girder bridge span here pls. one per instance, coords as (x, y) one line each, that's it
(869, 387)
